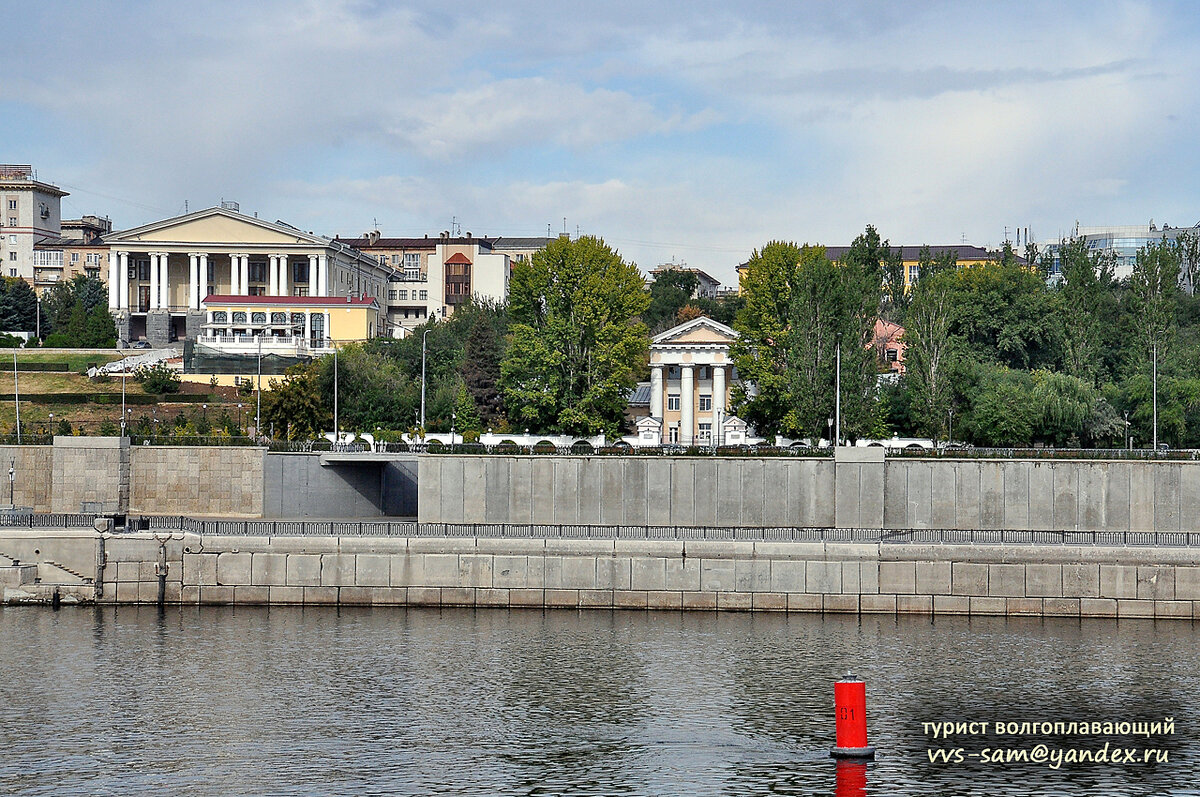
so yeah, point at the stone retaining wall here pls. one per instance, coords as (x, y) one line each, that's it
(793, 576)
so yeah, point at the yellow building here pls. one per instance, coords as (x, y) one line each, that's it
(294, 325)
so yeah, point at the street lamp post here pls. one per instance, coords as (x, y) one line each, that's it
(1128, 437)
(12, 481)
(950, 433)
(837, 406)
(258, 390)
(17, 398)
(336, 430)
(453, 419)
(423, 334)
(829, 423)
(1155, 391)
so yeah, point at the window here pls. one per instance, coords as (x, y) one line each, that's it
(12, 272)
(279, 318)
(424, 296)
(383, 260)
(220, 317)
(143, 270)
(12, 221)
(93, 258)
(299, 291)
(705, 432)
(239, 317)
(913, 271)
(257, 290)
(673, 402)
(404, 295)
(412, 261)
(258, 318)
(300, 273)
(298, 320)
(705, 403)
(391, 296)
(12, 256)
(891, 355)
(75, 257)
(395, 260)
(12, 204)
(258, 272)
(212, 275)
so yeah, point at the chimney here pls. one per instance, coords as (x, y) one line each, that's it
(468, 235)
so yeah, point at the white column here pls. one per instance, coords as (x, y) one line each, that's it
(244, 274)
(233, 276)
(114, 282)
(322, 275)
(687, 404)
(164, 280)
(307, 327)
(123, 278)
(272, 275)
(193, 279)
(282, 283)
(719, 389)
(312, 275)
(153, 280)
(202, 272)
(656, 390)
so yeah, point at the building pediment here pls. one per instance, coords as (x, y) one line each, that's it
(215, 227)
(701, 331)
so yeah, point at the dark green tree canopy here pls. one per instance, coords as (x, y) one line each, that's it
(576, 338)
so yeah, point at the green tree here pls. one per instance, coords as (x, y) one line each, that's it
(480, 370)
(18, 306)
(928, 357)
(466, 415)
(800, 307)
(576, 338)
(1087, 281)
(669, 292)
(100, 331)
(294, 404)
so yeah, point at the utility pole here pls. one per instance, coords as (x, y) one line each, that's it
(426, 332)
(258, 392)
(17, 398)
(1154, 389)
(337, 437)
(837, 406)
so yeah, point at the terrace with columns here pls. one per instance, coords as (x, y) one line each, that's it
(161, 274)
(691, 376)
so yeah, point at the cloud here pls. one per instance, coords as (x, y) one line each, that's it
(523, 112)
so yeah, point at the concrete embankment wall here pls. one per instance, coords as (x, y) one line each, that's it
(106, 475)
(727, 575)
(858, 490)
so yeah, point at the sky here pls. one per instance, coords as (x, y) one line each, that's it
(688, 132)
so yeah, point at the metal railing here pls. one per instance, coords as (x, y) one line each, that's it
(395, 528)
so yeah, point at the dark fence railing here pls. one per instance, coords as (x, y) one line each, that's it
(393, 528)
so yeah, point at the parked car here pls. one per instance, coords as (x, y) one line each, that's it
(140, 344)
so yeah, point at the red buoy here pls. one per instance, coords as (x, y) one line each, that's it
(850, 702)
(851, 779)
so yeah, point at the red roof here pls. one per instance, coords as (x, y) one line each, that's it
(333, 301)
(457, 259)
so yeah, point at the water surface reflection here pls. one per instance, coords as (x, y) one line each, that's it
(288, 701)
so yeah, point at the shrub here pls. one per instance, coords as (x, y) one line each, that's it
(157, 378)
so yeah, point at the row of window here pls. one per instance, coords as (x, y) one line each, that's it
(410, 260)
(239, 317)
(705, 402)
(402, 296)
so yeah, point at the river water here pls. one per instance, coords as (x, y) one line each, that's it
(289, 701)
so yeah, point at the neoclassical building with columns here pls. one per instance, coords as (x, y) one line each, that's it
(160, 274)
(691, 375)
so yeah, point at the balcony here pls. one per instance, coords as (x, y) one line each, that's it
(411, 275)
(271, 344)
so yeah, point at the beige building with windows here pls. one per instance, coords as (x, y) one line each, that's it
(159, 274)
(691, 376)
(79, 250)
(30, 210)
(432, 276)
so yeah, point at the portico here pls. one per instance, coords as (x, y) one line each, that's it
(691, 374)
(160, 274)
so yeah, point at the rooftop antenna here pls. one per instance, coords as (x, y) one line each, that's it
(564, 224)
(185, 207)
(548, 230)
